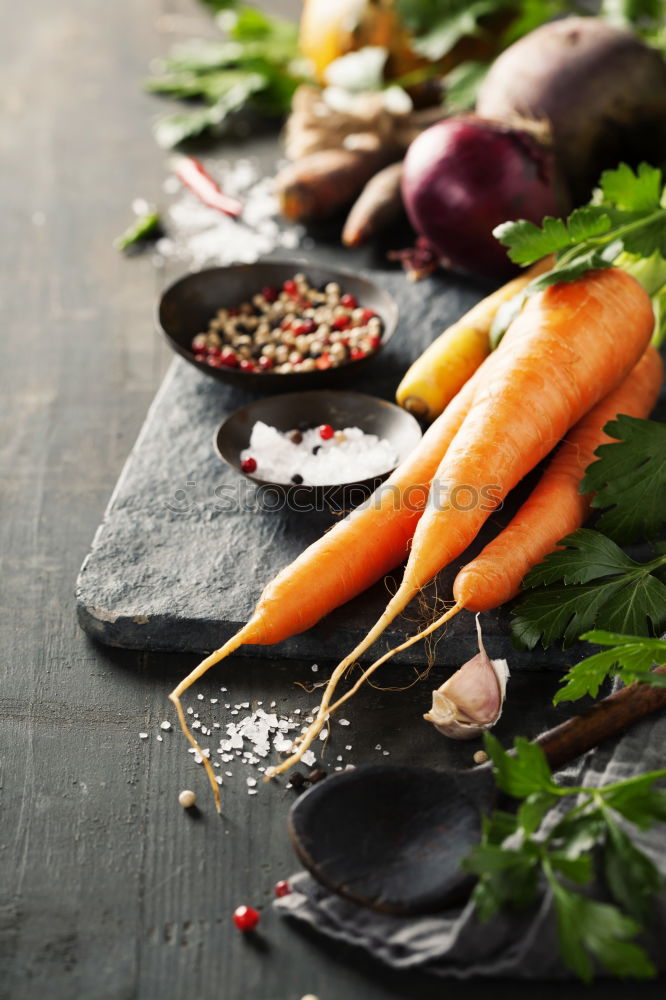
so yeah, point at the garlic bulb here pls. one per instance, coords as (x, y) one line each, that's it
(472, 698)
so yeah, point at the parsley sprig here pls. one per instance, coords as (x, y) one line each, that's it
(258, 65)
(589, 583)
(627, 215)
(631, 657)
(518, 853)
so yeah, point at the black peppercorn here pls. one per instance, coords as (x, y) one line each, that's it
(297, 779)
(297, 479)
(295, 437)
(316, 448)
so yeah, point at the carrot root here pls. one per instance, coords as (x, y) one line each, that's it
(229, 647)
(326, 709)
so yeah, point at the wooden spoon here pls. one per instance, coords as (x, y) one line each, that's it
(392, 837)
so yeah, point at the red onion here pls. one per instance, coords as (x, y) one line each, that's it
(465, 175)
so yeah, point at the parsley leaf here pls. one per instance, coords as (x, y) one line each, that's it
(258, 64)
(631, 657)
(627, 215)
(523, 773)
(630, 875)
(527, 242)
(518, 854)
(587, 927)
(589, 582)
(629, 479)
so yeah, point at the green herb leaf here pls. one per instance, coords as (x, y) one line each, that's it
(533, 810)
(632, 657)
(589, 583)
(141, 229)
(462, 85)
(637, 799)
(437, 27)
(629, 479)
(528, 243)
(578, 869)
(512, 856)
(576, 834)
(632, 192)
(630, 875)
(586, 928)
(626, 215)
(172, 130)
(522, 772)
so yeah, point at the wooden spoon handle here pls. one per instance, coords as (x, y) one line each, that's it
(607, 718)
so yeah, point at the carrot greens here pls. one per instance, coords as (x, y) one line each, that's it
(517, 855)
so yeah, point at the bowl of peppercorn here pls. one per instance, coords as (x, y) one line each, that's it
(277, 325)
(318, 449)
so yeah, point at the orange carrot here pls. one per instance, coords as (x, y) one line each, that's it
(570, 346)
(354, 554)
(555, 507)
(553, 510)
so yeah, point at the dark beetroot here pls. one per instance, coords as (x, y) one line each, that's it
(466, 175)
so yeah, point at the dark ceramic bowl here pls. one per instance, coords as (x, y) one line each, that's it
(338, 408)
(188, 305)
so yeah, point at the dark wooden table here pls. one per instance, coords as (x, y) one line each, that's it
(109, 890)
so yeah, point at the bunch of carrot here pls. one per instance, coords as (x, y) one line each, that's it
(570, 347)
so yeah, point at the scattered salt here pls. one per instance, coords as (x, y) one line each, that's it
(251, 782)
(200, 235)
(314, 668)
(200, 697)
(143, 736)
(343, 722)
(166, 726)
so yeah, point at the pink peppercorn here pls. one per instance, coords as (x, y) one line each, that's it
(245, 918)
(249, 465)
(326, 432)
(282, 888)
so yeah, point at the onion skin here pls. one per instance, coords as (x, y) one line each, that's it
(466, 175)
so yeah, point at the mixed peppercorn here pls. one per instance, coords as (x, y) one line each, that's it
(297, 328)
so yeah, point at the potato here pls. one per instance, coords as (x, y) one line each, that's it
(601, 90)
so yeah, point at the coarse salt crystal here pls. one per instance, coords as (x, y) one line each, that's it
(166, 726)
(143, 736)
(251, 782)
(200, 697)
(343, 722)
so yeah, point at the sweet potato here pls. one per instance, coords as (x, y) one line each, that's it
(377, 207)
(601, 90)
(318, 186)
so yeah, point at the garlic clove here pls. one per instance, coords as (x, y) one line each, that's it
(471, 700)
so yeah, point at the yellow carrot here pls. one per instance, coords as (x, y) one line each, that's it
(444, 367)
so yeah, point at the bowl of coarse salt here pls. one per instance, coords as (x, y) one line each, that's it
(318, 449)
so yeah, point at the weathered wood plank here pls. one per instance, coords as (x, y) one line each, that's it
(108, 890)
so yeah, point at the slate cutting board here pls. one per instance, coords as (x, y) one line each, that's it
(183, 551)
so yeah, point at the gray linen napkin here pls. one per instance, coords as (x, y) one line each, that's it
(521, 944)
